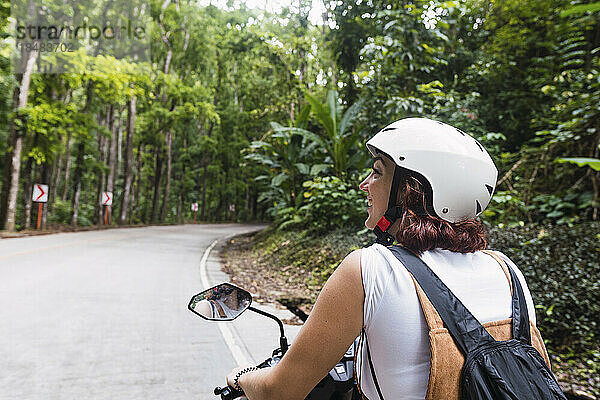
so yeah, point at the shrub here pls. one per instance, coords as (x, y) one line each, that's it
(328, 203)
(562, 268)
(61, 212)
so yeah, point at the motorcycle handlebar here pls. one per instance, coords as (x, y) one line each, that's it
(228, 393)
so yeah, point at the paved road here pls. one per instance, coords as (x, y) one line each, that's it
(102, 315)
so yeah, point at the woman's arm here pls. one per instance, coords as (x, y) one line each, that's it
(335, 321)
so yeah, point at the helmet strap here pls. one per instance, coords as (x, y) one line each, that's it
(391, 215)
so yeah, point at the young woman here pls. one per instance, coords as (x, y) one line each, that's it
(429, 183)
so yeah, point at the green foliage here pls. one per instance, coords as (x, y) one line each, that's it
(505, 208)
(61, 212)
(287, 156)
(338, 140)
(312, 256)
(580, 9)
(86, 215)
(562, 268)
(329, 203)
(593, 163)
(522, 78)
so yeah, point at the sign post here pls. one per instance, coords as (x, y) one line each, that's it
(107, 199)
(40, 195)
(232, 210)
(195, 210)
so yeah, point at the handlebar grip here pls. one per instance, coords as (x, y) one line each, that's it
(228, 393)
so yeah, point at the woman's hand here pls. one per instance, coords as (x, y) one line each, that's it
(231, 376)
(253, 383)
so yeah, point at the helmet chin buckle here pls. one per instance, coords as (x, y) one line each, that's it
(380, 229)
(384, 238)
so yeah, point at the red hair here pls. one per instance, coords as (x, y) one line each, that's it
(419, 231)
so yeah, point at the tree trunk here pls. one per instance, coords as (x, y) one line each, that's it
(128, 173)
(119, 144)
(595, 175)
(98, 217)
(77, 183)
(57, 171)
(165, 203)
(55, 179)
(595, 179)
(67, 167)
(12, 187)
(203, 213)
(79, 161)
(28, 193)
(180, 208)
(136, 194)
(45, 178)
(112, 155)
(6, 173)
(157, 180)
(102, 148)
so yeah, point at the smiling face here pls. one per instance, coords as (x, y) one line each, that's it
(377, 185)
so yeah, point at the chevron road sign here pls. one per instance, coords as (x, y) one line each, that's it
(40, 193)
(107, 198)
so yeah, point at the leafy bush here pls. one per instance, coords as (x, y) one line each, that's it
(61, 212)
(504, 209)
(562, 268)
(328, 203)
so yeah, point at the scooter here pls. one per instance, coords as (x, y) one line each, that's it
(226, 302)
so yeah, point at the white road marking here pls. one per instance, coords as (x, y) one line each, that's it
(240, 357)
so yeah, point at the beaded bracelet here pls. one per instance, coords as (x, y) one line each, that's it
(236, 384)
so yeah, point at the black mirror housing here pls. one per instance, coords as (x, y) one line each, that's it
(224, 302)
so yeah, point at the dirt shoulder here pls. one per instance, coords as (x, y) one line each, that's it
(253, 270)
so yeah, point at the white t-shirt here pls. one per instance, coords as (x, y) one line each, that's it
(396, 329)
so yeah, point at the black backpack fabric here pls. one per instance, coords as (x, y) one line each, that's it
(493, 370)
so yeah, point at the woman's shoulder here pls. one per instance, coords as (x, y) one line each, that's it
(375, 250)
(378, 261)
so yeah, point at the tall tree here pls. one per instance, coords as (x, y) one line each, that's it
(11, 184)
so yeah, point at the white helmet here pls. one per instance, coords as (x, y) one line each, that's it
(460, 175)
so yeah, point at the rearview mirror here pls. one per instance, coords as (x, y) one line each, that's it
(224, 302)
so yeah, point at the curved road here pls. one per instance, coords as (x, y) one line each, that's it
(102, 315)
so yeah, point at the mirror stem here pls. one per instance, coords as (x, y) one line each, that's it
(282, 340)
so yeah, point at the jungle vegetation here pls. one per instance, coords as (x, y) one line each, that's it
(269, 112)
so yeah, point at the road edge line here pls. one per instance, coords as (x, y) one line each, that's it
(236, 351)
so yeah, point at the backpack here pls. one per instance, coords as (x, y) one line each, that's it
(510, 369)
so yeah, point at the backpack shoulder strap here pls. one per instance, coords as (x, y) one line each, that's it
(433, 319)
(467, 332)
(520, 314)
